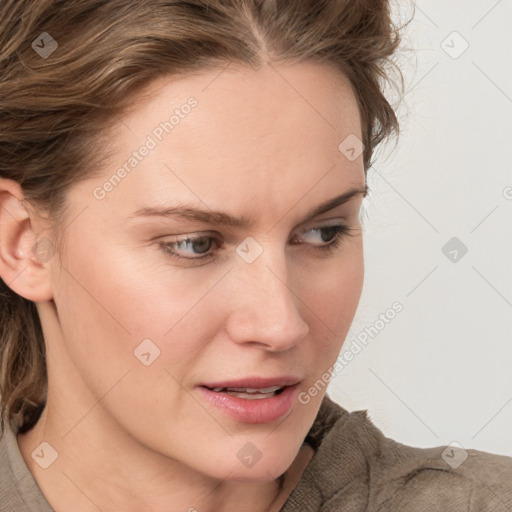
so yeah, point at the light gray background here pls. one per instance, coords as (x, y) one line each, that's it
(440, 371)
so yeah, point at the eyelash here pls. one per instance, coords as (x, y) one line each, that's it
(340, 232)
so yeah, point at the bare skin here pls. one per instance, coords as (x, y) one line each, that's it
(131, 436)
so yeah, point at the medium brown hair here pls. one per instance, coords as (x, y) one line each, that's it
(54, 108)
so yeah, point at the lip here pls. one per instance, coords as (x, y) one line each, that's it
(254, 382)
(264, 410)
(255, 411)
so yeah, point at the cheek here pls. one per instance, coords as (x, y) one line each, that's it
(109, 304)
(334, 291)
(331, 297)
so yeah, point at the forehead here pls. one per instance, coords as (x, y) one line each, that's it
(237, 133)
(238, 93)
(236, 104)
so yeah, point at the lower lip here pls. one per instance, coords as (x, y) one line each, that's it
(263, 410)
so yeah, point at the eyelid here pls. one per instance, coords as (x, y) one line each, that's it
(311, 224)
(192, 234)
(320, 223)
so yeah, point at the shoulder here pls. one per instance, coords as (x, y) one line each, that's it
(18, 489)
(357, 468)
(441, 478)
(9, 494)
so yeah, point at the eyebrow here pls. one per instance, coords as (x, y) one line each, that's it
(225, 219)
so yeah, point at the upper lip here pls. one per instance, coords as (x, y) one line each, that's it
(254, 382)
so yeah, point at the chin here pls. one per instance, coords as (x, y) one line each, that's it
(269, 461)
(247, 459)
(260, 472)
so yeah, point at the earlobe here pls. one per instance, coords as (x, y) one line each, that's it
(23, 258)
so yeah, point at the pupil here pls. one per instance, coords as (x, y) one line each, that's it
(330, 232)
(202, 245)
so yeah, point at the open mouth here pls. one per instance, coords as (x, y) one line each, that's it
(259, 403)
(250, 393)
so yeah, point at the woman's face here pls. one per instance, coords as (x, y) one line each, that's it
(145, 318)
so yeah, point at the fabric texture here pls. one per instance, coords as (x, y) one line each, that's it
(355, 468)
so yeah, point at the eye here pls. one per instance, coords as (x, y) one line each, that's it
(194, 248)
(328, 238)
(322, 238)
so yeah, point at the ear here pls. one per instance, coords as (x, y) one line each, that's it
(24, 260)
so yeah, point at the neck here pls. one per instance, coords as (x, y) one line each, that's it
(110, 473)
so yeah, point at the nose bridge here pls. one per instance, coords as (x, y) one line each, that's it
(265, 309)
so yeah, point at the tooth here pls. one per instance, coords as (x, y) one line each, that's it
(270, 390)
(250, 396)
(254, 390)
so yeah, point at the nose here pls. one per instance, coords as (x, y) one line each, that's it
(264, 307)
